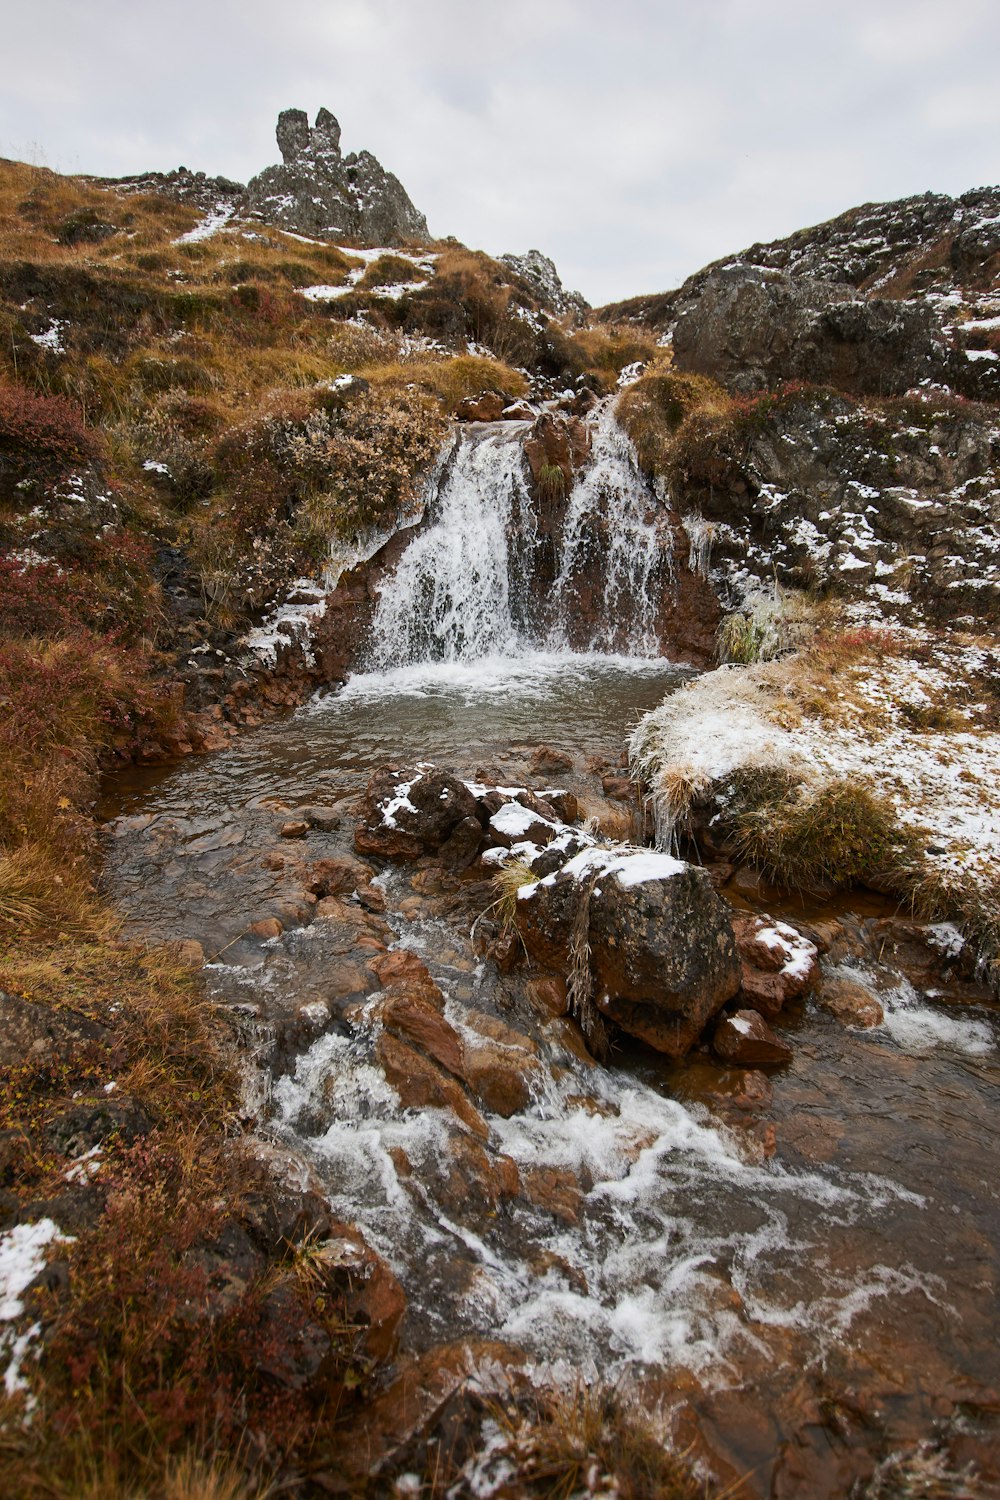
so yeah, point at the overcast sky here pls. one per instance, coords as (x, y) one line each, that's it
(631, 140)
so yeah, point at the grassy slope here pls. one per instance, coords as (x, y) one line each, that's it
(122, 349)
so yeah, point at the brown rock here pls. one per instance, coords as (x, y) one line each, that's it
(563, 803)
(40, 1034)
(477, 1178)
(295, 828)
(555, 1190)
(519, 411)
(267, 927)
(190, 954)
(744, 1038)
(488, 406)
(548, 994)
(548, 761)
(662, 955)
(375, 1300)
(402, 971)
(565, 1033)
(851, 1003)
(346, 979)
(777, 963)
(619, 788)
(387, 843)
(337, 877)
(418, 1021)
(419, 1082)
(462, 845)
(423, 804)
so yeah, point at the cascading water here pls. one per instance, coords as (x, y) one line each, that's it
(613, 529)
(475, 583)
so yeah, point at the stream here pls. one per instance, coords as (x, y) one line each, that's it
(809, 1258)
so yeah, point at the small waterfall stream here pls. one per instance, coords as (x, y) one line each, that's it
(480, 580)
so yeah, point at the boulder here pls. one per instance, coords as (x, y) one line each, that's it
(745, 1039)
(412, 811)
(777, 963)
(662, 956)
(422, 1083)
(488, 406)
(851, 1002)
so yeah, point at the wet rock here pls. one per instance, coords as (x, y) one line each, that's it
(42, 1035)
(337, 877)
(619, 788)
(462, 845)
(563, 1032)
(477, 1179)
(375, 1301)
(851, 1002)
(745, 1039)
(325, 819)
(519, 411)
(500, 1069)
(421, 1023)
(407, 812)
(419, 1082)
(547, 994)
(548, 761)
(513, 823)
(554, 1190)
(777, 963)
(662, 956)
(400, 971)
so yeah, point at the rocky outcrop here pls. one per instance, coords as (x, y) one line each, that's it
(661, 960)
(318, 191)
(752, 329)
(542, 277)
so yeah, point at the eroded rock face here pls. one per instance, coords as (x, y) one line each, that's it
(317, 191)
(751, 329)
(662, 955)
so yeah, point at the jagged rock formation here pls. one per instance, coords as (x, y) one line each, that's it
(186, 186)
(881, 298)
(542, 277)
(318, 191)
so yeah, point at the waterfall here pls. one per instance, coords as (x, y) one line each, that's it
(475, 583)
(615, 533)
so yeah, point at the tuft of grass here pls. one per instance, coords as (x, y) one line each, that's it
(508, 880)
(551, 484)
(803, 837)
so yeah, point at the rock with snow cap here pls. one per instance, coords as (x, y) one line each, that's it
(662, 959)
(745, 1039)
(778, 964)
(411, 811)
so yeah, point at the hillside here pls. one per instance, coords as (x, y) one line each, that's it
(259, 441)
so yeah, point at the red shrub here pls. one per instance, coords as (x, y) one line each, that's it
(44, 425)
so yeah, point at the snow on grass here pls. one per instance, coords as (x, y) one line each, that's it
(859, 724)
(52, 338)
(22, 1257)
(216, 219)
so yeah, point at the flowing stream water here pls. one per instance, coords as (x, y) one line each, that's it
(833, 1231)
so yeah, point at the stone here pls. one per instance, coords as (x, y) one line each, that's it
(325, 819)
(777, 963)
(317, 191)
(337, 877)
(548, 761)
(752, 328)
(547, 994)
(408, 812)
(39, 1035)
(662, 956)
(189, 954)
(266, 928)
(295, 828)
(745, 1039)
(402, 971)
(555, 1190)
(488, 406)
(462, 845)
(519, 411)
(421, 1023)
(563, 803)
(420, 1082)
(619, 788)
(852, 1003)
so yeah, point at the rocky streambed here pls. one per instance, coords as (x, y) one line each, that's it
(765, 1203)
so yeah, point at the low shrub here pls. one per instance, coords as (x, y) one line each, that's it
(839, 833)
(45, 427)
